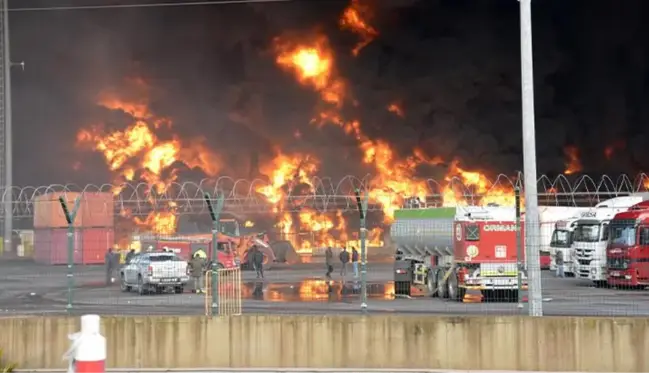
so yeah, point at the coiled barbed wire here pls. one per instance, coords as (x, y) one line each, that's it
(320, 193)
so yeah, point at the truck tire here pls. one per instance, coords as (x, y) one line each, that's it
(431, 283)
(600, 284)
(442, 289)
(402, 288)
(454, 291)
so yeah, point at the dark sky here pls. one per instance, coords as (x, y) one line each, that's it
(453, 63)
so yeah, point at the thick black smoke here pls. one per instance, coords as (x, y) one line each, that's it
(454, 66)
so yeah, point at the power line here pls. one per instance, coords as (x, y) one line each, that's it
(145, 5)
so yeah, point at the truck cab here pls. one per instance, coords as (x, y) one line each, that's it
(627, 253)
(592, 233)
(561, 241)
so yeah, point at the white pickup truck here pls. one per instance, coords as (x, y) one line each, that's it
(154, 272)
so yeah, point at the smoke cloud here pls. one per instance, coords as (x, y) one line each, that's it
(453, 67)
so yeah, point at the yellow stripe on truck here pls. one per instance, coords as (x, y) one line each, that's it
(498, 274)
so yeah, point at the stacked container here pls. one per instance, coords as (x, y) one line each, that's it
(94, 228)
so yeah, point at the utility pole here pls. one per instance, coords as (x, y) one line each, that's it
(362, 212)
(69, 217)
(532, 228)
(6, 129)
(215, 213)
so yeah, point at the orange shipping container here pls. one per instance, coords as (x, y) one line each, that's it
(96, 210)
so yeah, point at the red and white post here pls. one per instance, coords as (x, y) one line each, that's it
(87, 354)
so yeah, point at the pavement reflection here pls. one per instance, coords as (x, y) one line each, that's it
(313, 290)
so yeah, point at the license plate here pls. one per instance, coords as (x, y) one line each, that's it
(501, 282)
(615, 274)
(168, 280)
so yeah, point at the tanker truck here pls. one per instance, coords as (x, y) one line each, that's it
(447, 251)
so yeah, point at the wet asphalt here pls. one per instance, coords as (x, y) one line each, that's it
(291, 289)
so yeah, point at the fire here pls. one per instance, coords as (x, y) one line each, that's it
(285, 172)
(248, 224)
(573, 164)
(479, 190)
(312, 63)
(138, 153)
(395, 179)
(396, 110)
(611, 149)
(354, 19)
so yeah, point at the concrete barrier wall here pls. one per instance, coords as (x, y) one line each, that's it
(466, 343)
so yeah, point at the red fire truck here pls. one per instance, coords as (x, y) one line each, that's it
(627, 252)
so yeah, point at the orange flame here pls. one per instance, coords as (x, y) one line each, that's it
(396, 109)
(354, 19)
(573, 164)
(312, 63)
(138, 153)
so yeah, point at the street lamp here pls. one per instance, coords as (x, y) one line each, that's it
(532, 228)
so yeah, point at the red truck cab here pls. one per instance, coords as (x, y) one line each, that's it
(627, 252)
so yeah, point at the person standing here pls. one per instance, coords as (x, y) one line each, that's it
(559, 262)
(355, 258)
(195, 267)
(258, 261)
(344, 259)
(110, 259)
(329, 261)
(129, 256)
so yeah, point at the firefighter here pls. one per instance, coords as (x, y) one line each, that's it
(258, 261)
(196, 267)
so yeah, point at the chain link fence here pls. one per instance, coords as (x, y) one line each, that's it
(293, 233)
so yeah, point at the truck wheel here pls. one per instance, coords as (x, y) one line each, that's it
(122, 284)
(453, 289)
(431, 283)
(402, 288)
(442, 289)
(600, 284)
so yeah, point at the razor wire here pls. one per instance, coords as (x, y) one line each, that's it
(319, 193)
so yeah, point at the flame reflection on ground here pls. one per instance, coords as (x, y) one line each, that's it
(313, 290)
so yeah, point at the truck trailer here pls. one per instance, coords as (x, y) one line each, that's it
(447, 251)
(627, 253)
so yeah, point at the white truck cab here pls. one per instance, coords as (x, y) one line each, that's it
(591, 235)
(561, 241)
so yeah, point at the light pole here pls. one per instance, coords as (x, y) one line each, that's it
(215, 213)
(69, 217)
(362, 211)
(532, 229)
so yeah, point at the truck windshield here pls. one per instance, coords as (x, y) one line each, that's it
(586, 233)
(561, 238)
(623, 235)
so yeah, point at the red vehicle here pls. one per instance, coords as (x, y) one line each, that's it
(447, 251)
(627, 252)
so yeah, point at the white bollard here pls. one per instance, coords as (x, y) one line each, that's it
(87, 354)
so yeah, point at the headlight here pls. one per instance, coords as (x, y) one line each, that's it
(593, 270)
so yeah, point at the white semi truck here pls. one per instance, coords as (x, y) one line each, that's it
(549, 216)
(591, 236)
(561, 241)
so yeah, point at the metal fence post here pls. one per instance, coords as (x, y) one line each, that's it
(215, 212)
(519, 246)
(362, 211)
(69, 217)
